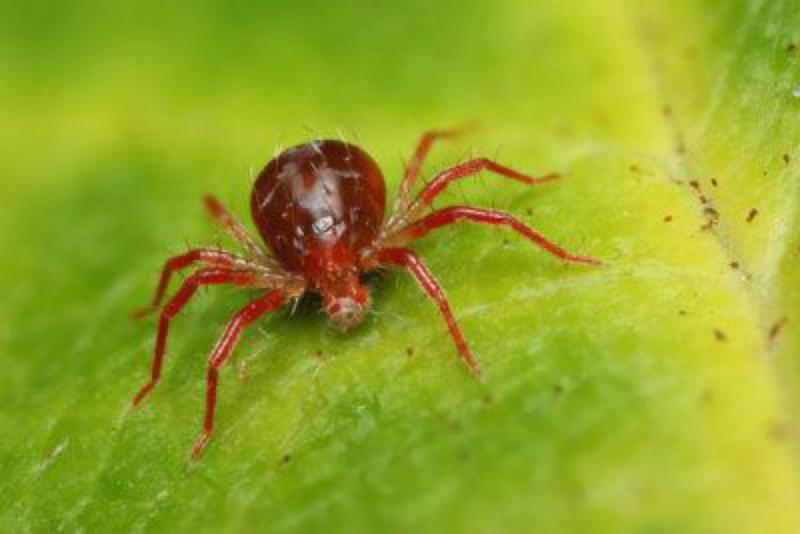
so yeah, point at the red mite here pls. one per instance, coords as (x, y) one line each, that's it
(320, 209)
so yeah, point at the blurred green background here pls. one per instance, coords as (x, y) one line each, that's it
(657, 394)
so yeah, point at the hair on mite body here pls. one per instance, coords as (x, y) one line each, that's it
(320, 210)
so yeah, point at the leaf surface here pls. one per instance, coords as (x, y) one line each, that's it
(658, 393)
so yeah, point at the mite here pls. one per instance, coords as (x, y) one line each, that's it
(320, 209)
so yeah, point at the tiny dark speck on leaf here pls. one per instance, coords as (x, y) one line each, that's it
(633, 168)
(695, 184)
(528, 212)
(776, 328)
(779, 431)
(719, 335)
(319, 353)
(714, 182)
(681, 312)
(791, 48)
(668, 218)
(752, 214)
(409, 351)
(786, 159)
(734, 265)
(764, 172)
(285, 459)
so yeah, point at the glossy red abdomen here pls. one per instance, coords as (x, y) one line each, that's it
(318, 204)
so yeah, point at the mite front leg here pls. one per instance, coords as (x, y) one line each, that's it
(234, 228)
(407, 259)
(415, 165)
(453, 214)
(469, 168)
(208, 256)
(267, 303)
(174, 306)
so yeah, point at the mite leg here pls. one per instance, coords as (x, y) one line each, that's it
(453, 214)
(469, 168)
(174, 306)
(406, 258)
(233, 227)
(258, 307)
(208, 256)
(415, 165)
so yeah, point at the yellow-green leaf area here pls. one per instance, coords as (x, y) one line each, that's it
(657, 393)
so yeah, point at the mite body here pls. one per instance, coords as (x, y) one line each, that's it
(320, 209)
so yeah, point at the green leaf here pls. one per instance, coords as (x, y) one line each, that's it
(659, 393)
